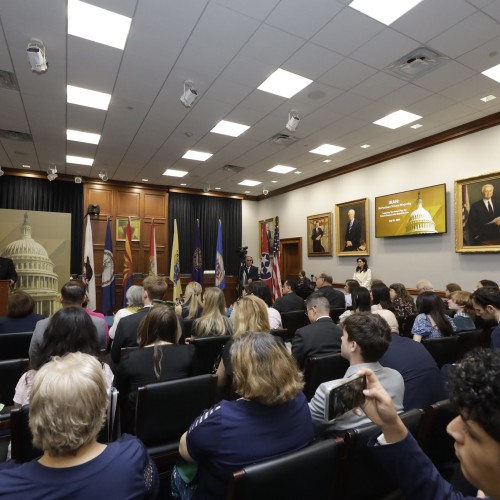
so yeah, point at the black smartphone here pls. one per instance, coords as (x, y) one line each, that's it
(344, 397)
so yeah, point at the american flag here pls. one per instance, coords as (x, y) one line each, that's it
(276, 261)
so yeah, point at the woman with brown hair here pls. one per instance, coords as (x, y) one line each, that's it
(159, 358)
(213, 320)
(20, 316)
(402, 301)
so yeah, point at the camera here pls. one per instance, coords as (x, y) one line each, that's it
(242, 251)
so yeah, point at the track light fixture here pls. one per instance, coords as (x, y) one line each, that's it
(36, 56)
(103, 175)
(78, 179)
(52, 173)
(293, 120)
(189, 95)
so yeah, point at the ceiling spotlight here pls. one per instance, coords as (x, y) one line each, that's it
(78, 179)
(189, 95)
(206, 188)
(36, 56)
(293, 120)
(52, 173)
(1, 172)
(265, 192)
(103, 175)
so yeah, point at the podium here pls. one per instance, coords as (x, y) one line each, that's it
(4, 295)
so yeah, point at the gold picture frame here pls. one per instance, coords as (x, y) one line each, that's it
(319, 235)
(475, 229)
(121, 225)
(360, 228)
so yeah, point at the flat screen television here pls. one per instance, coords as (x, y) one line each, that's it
(411, 213)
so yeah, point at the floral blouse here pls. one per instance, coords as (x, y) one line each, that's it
(423, 326)
(403, 308)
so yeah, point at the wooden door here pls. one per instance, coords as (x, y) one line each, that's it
(291, 257)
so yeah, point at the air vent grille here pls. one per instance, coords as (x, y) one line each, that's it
(417, 63)
(8, 81)
(234, 169)
(283, 139)
(12, 135)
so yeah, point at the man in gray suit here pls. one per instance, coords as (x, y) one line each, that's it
(72, 295)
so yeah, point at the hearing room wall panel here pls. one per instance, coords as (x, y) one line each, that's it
(102, 196)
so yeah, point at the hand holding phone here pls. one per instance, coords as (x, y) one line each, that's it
(344, 397)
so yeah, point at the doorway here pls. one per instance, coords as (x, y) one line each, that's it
(291, 257)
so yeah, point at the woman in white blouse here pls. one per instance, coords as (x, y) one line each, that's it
(362, 274)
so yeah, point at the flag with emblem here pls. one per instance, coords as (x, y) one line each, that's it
(276, 274)
(265, 261)
(220, 273)
(128, 271)
(108, 273)
(88, 266)
(197, 266)
(175, 265)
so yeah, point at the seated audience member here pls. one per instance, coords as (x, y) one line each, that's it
(159, 358)
(233, 434)
(289, 301)
(381, 297)
(72, 295)
(213, 321)
(69, 330)
(365, 339)
(402, 302)
(424, 286)
(192, 307)
(20, 316)
(154, 288)
(486, 302)
(431, 322)
(490, 283)
(305, 284)
(361, 302)
(250, 315)
(134, 304)
(424, 383)
(474, 385)
(460, 303)
(68, 406)
(261, 290)
(322, 336)
(349, 287)
(362, 273)
(324, 284)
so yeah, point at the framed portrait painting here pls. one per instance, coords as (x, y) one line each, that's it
(352, 230)
(266, 227)
(477, 214)
(319, 235)
(121, 228)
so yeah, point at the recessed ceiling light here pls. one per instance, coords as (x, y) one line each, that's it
(183, 184)
(79, 160)
(26, 166)
(98, 25)
(217, 189)
(488, 98)
(229, 128)
(250, 183)
(196, 155)
(493, 73)
(385, 11)
(274, 182)
(76, 135)
(365, 146)
(326, 150)
(281, 169)
(145, 180)
(247, 192)
(284, 83)
(397, 119)
(86, 97)
(174, 173)
(327, 161)
(417, 125)
(297, 172)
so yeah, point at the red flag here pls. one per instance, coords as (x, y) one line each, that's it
(265, 261)
(128, 270)
(276, 262)
(153, 269)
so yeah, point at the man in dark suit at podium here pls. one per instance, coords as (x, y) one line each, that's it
(7, 270)
(249, 272)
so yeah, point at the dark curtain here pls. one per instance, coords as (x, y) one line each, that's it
(186, 208)
(24, 193)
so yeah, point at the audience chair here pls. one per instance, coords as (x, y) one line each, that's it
(336, 313)
(22, 449)
(469, 340)
(187, 325)
(319, 369)
(10, 373)
(361, 476)
(307, 473)
(407, 325)
(15, 345)
(208, 350)
(444, 350)
(293, 320)
(281, 333)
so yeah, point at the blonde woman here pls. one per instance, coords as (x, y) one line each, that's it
(192, 306)
(213, 322)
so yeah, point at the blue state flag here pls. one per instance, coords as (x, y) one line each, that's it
(108, 274)
(197, 266)
(220, 273)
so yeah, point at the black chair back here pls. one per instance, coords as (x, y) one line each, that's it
(319, 369)
(187, 326)
(15, 345)
(293, 320)
(165, 410)
(444, 350)
(281, 333)
(405, 330)
(469, 340)
(22, 449)
(336, 313)
(207, 351)
(10, 373)
(307, 473)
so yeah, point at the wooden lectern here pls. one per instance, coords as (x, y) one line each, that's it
(4, 295)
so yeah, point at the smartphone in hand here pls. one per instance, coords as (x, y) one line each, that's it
(344, 397)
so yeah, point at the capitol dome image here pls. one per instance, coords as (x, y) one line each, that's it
(420, 221)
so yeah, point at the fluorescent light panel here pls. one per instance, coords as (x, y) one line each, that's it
(196, 155)
(488, 98)
(365, 146)
(397, 119)
(417, 125)
(76, 135)
(79, 160)
(98, 25)
(86, 97)
(385, 11)
(493, 73)
(327, 161)
(281, 169)
(297, 172)
(327, 150)
(250, 183)
(284, 83)
(229, 128)
(174, 173)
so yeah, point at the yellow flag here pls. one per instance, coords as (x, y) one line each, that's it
(175, 266)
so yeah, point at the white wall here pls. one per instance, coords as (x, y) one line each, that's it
(391, 259)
